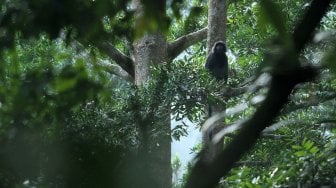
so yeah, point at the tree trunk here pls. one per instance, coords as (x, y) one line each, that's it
(217, 10)
(152, 168)
(152, 49)
(149, 50)
(216, 31)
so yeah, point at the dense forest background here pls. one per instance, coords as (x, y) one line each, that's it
(88, 90)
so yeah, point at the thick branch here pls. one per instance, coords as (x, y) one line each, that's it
(266, 135)
(304, 31)
(180, 44)
(121, 59)
(208, 175)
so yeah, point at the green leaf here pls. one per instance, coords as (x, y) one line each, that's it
(296, 147)
(307, 145)
(300, 153)
(314, 150)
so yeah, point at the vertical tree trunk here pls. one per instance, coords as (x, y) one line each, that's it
(216, 31)
(217, 10)
(155, 153)
(152, 49)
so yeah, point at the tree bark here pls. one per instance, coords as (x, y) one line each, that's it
(150, 49)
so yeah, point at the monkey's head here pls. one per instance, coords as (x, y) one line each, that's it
(219, 47)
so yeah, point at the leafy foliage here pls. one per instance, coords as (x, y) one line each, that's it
(83, 16)
(65, 122)
(43, 102)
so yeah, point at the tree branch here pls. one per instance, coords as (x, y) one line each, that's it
(266, 135)
(208, 175)
(312, 102)
(180, 44)
(116, 70)
(233, 92)
(121, 59)
(304, 31)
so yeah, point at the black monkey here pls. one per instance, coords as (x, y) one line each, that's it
(217, 65)
(217, 62)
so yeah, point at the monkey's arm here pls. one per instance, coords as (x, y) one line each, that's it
(209, 61)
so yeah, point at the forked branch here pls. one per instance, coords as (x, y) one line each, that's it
(125, 62)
